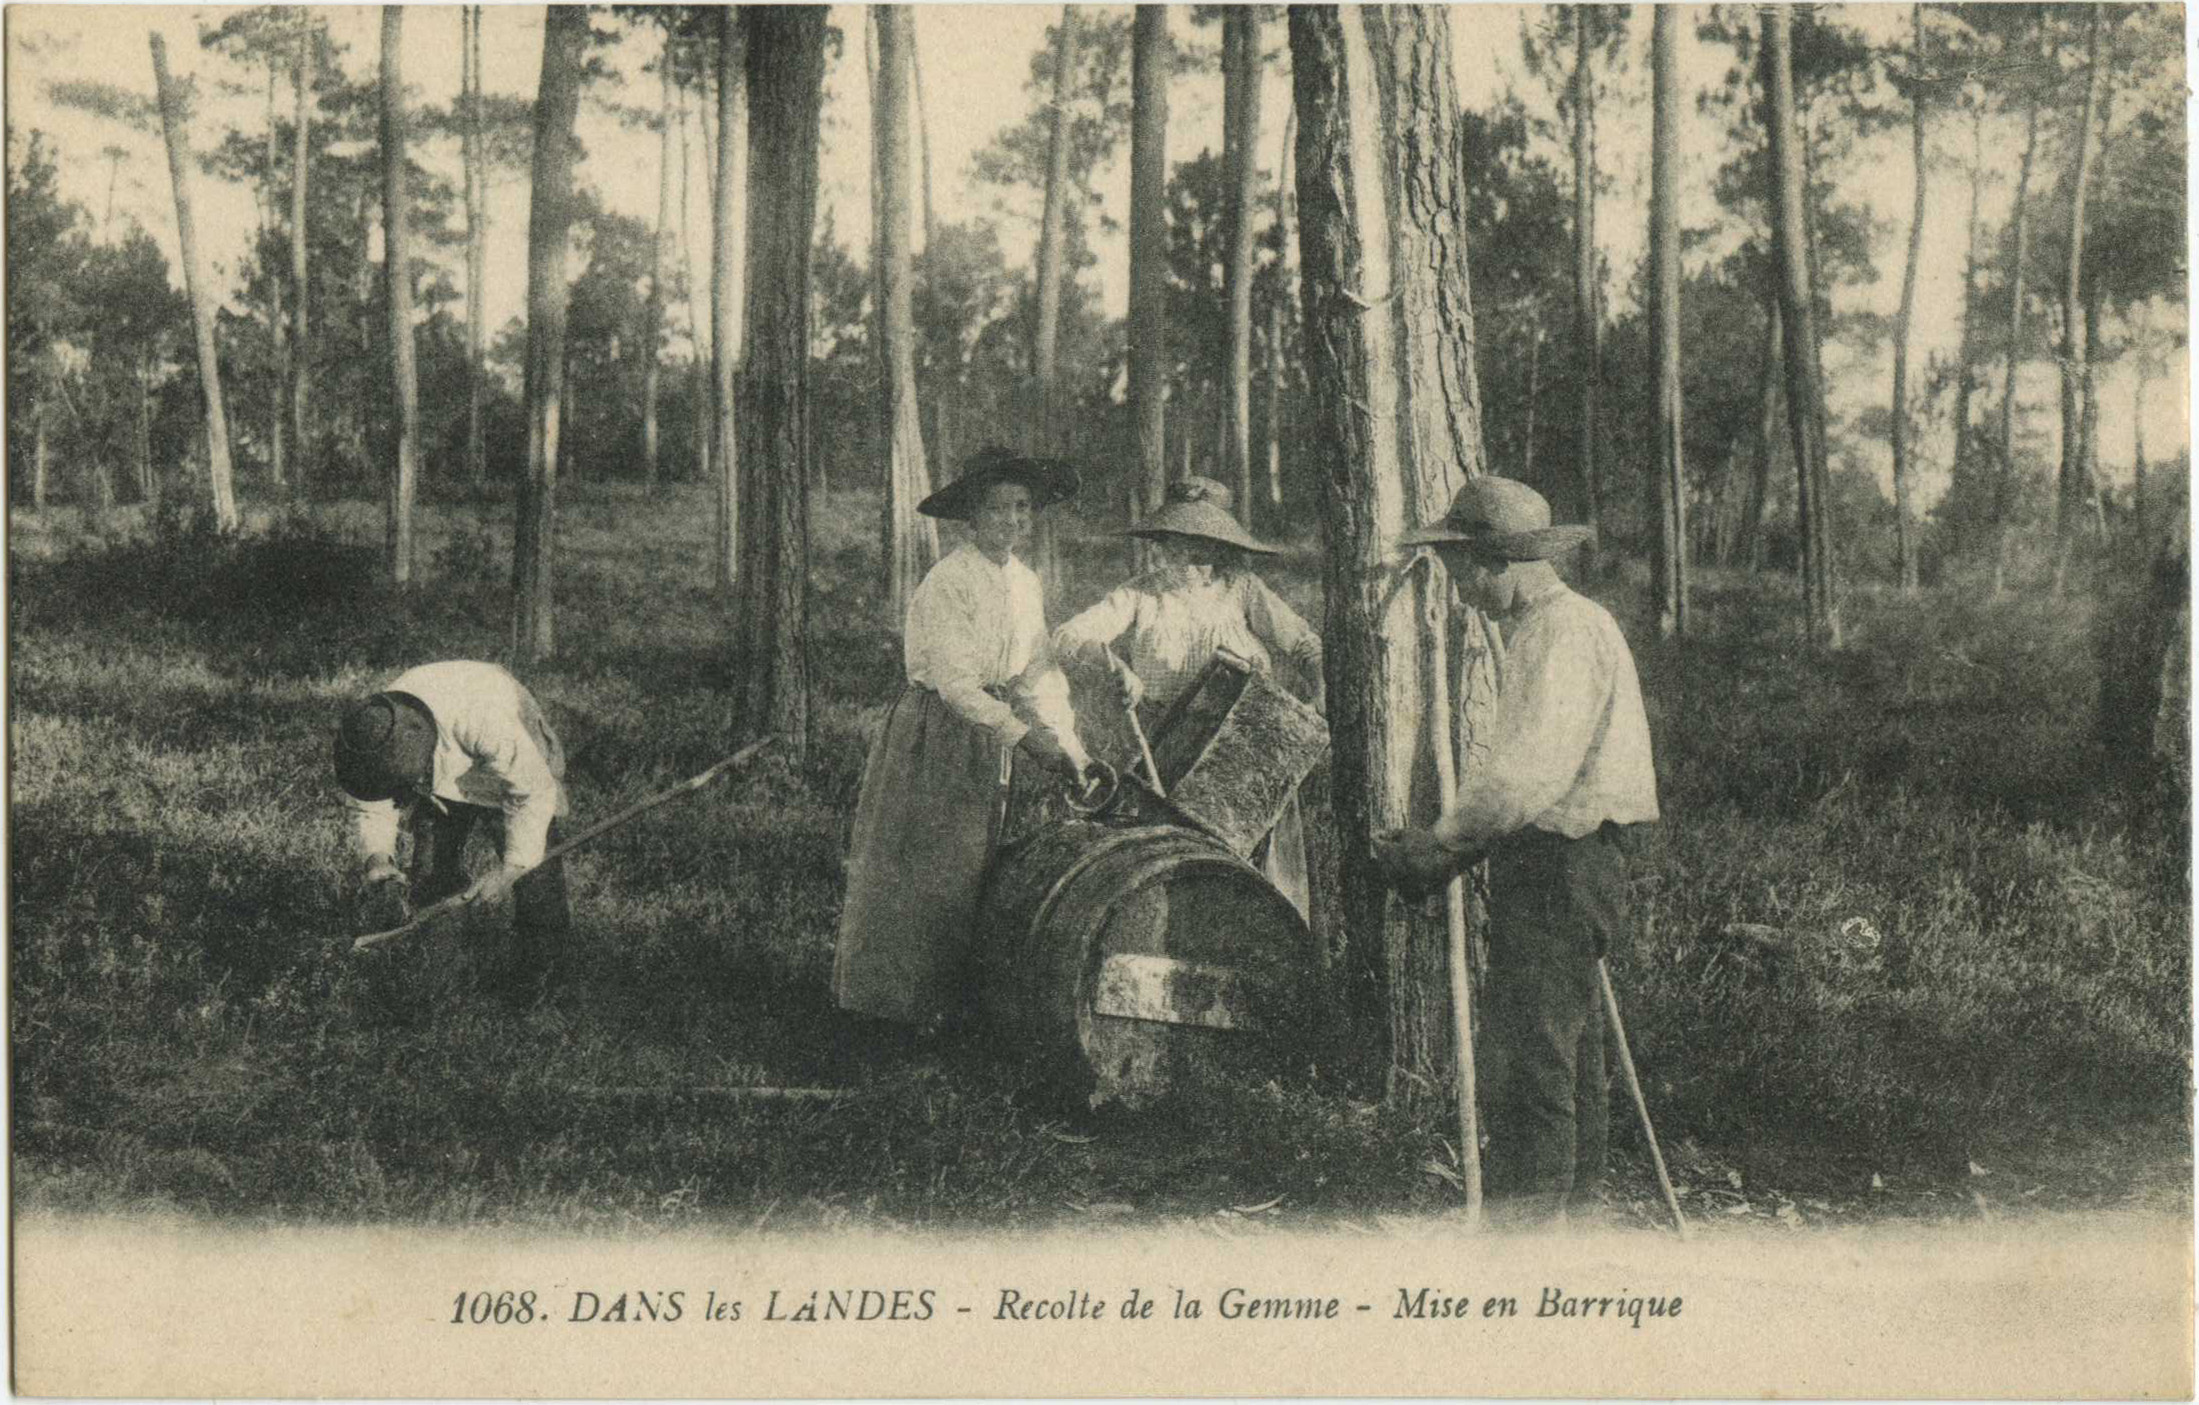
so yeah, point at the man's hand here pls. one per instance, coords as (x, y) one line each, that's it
(495, 886)
(1129, 688)
(1416, 861)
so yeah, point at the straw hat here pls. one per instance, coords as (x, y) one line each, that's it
(1199, 507)
(1050, 481)
(1501, 517)
(385, 747)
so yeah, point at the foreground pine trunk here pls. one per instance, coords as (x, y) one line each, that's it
(301, 347)
(2070, 497)
(397, 277)
(1395, 415)
(910, 542)
(1241, 69)
(1798, 314)
(219, 477)
(726, 275)
(1905, 544)
(1668, 539)
(1149, 63)
(786, 64)
(549, 220)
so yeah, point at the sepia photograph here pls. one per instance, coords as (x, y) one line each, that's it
(1015, 700)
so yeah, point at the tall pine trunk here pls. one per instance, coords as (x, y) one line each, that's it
(909, 541)
(727, 280)
(923, 136)
(1241, 69)
(1395, 414)
(1275, 315)
(2019, 216)
(652, 337)
(1750, 547)
(278, 409)
(220, 478)
(698, 329)
(1966, 375)
(2070, 496)
(301, 346)
(549, 222)
(474, 152)
(397, 282)
(1150, 58)
(1046, 333)
(1798, 316)
(1668, 508)
(1905, 545)
(1587, 301)
(786, 65)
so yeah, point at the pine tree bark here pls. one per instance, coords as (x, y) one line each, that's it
(301, 345)
(786, 65)
(1668, 505)
(1150, 57)
(1241, 69)
(1275, 315)
(1798, 316)
(653, 331)
(1395, 412)
(2070, 497)
(697, 328)
(909, 542)
(1966, 374)
(727, 284)
(1905, 545)
(923, 137)
(173, 119)
(2019, 218)
(1046, 334)
(474, 153)
(1751, 546)
(279, 410)
(549, 222)
(397, 281)
(1587, 300)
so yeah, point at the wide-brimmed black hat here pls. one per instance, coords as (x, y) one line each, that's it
(1050, 481)
(1199, 507)
(385, 747)
(1504, 518)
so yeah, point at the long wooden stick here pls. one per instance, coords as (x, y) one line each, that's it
(1454, 906)
(692, 783)
(1634, 1086)
(1137, 729)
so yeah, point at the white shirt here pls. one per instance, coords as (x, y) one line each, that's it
(493, 748)
(1567, 744)
(974, 626)
(1167, 623)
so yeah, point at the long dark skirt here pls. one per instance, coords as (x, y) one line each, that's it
(926, 828)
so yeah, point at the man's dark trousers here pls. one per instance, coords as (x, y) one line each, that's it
(541, 914)
(1556, 904)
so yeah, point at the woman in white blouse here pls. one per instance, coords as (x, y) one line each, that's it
(982, 687)
(1155, 634)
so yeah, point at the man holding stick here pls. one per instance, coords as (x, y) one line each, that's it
(442, 748)
(1557, 775)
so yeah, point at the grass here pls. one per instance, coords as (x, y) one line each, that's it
(1984, 959)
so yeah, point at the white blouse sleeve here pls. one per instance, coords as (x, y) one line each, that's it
(947, 645)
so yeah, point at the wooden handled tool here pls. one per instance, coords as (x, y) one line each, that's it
(692, 783)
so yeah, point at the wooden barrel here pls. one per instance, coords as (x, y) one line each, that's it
(1135, 960)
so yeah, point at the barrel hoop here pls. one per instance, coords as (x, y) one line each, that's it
(1085, 860)
(1134, 882)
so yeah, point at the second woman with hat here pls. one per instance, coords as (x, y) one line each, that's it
(1153, 635)
(982, 689)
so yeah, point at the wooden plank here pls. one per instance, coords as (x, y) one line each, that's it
(1164, 990)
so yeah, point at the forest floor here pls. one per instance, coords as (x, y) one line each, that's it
(1978, 1004)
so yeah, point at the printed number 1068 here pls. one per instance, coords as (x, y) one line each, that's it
(497, 1308)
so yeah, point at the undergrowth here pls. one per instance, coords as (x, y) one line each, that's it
(1901, 915)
